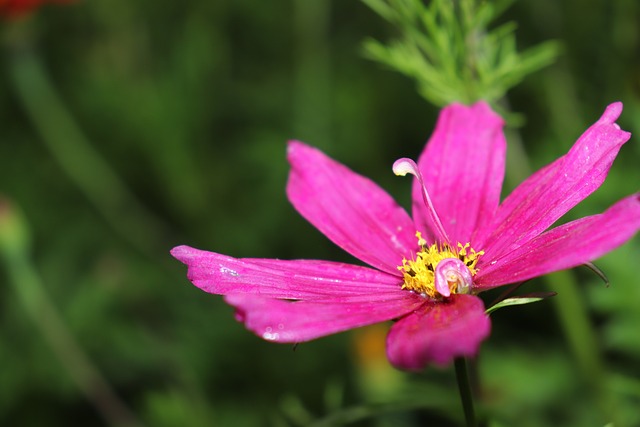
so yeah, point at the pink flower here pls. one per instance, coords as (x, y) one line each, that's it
(18, 8)
(427, 270)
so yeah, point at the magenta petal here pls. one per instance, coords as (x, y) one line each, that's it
(298, 279)
(349, 209)
(292, 322)
(463, 167)
(438, 332)
(566, 246)
(549, 193)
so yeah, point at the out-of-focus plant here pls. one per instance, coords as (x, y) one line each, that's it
(15, 245)
(450, 50)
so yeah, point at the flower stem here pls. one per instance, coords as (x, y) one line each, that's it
(464, 387)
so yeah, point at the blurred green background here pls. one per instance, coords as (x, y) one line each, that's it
(131, 127)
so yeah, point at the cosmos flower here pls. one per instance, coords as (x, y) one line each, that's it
(424, 272)
(17, 8)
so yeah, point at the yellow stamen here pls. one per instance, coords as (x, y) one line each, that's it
(419, 273)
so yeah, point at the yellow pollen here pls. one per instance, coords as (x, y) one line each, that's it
(419, 273)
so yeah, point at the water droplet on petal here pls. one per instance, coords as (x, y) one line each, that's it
(225, 270)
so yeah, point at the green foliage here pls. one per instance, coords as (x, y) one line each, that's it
(448, 48)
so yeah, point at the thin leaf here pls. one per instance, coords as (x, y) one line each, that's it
(591, 266)
(520, 300)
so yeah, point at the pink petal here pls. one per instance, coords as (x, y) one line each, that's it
(349, 209)
(566, 246)
(292, 322)
(438, 332)
(549, 193)
(463, 169)
(299, 279)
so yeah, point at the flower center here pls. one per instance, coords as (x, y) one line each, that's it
(439, 270)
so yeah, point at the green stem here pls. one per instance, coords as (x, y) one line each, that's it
(312, 70)
(464, 387)
(28, 286)
(576, 326)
